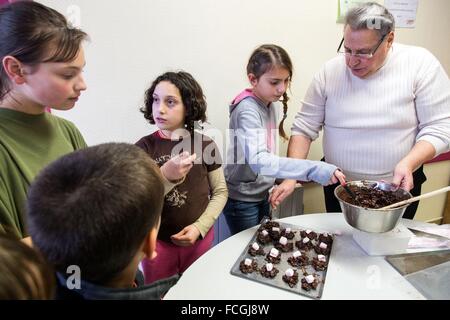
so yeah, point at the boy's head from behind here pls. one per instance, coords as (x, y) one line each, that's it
(95, 208)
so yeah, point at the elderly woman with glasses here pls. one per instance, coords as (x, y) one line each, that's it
(384, 108)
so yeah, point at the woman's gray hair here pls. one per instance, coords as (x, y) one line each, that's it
(370, 15)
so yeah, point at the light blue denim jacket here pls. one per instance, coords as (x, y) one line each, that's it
(250, 168)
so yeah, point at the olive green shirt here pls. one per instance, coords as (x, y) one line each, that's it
(27, 144)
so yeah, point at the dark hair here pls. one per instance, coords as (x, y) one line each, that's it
(191, 94)
(263, 59)
(94, 207)
(34, 33)
(24, 273)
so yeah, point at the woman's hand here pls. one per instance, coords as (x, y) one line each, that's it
(403, 177)
(186, 237)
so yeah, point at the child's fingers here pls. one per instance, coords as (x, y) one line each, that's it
(191, 158)
(187, 160)
(183, 238)
(340, 176)
(187, 156)
(275, 196)
(177, 236)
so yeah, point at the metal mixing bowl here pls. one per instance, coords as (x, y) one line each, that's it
(371, 220)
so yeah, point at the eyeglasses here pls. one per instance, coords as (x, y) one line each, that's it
(348, 52)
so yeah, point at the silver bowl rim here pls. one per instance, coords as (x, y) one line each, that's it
(369, 209)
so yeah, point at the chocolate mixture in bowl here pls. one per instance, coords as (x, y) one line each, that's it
(372, 198)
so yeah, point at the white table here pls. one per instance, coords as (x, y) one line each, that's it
(352, 274)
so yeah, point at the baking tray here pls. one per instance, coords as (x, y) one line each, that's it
(277, 281)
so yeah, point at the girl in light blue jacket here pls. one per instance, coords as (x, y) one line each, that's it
(252, 164)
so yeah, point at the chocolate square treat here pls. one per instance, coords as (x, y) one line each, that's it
(291, 280)
(298, 260)
(289, 234)
(304, 244)
(248, 265)
(268, 225)
(308, 233)
(255, 250)
(322, 248)
(274, 256)
(275, 233)
(268, 274)
(326, 237)
(309, 281)
(285, 247)
(320, 263)
(264, 237)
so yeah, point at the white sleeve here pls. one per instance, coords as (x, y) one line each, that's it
(310, 118)
(432, 99)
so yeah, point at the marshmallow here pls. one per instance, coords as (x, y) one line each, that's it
(283, 241)
(287, 230)
(325, 234)
(309, 278)
(255, 246)
(275, 229)
(323, 245)
(248, 262)
(305, 240)
(321, 257)
(289, 272)
(308, 231)
(264, 233)
(274, 252)
(297, 254)
(269, 267)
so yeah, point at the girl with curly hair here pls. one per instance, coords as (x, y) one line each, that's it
(175, 102)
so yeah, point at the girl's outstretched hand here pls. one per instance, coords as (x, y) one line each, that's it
(178, 166)
(281, 192)
(338, 176)
(186, 237)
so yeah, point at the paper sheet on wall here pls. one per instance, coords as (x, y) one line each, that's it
(404, 12)
(344, 5)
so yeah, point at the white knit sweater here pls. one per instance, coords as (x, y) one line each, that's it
(371, 124)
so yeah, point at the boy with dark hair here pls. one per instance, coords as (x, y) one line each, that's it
(95, 213)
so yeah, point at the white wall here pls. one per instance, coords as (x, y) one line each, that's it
(133, 41)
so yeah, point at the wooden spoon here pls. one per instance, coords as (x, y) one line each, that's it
(423, 196)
